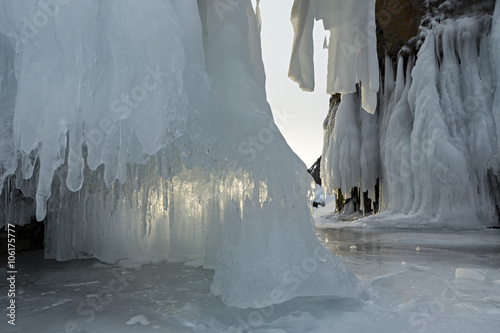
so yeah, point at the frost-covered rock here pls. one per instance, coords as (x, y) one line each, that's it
(437, 125)
(315, 171)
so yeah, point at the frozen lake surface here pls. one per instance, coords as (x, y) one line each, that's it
(412, 281)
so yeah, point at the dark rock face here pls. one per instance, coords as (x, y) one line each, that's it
(453, 9)
(315, 171)
(15, 207)
(29, 237)
(399, 21)
(18, 209)
(494, 182)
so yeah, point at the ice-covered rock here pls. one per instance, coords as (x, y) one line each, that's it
(437, 126)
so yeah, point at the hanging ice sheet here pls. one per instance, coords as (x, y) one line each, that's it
(104, 73)
(352, 47)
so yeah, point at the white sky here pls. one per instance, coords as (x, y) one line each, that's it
(302, 125)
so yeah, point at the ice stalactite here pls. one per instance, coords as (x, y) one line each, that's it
(395, 141)
(145, 127)
(84, 75)
(350, 151)
(352, 47)
(441, 179)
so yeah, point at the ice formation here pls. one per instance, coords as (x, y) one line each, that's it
(436, 133)
(352, 47)
(353, 73)
(143, 131)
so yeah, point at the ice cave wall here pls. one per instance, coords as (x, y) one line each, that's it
(142, 130)
(432, 145)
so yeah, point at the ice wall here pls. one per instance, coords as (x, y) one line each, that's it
(145, 127)
(451, 145)
(352, 47)
(437, 130)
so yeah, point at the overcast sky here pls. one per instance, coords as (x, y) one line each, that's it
(298, 114)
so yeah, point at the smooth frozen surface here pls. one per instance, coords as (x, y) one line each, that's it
(412, 282)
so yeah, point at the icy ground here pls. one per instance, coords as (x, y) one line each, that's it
(412, 281)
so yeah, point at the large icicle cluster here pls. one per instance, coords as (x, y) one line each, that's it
(448, 148)
(166, 97)
(352, 47)
(92, 79)
(437, 129)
